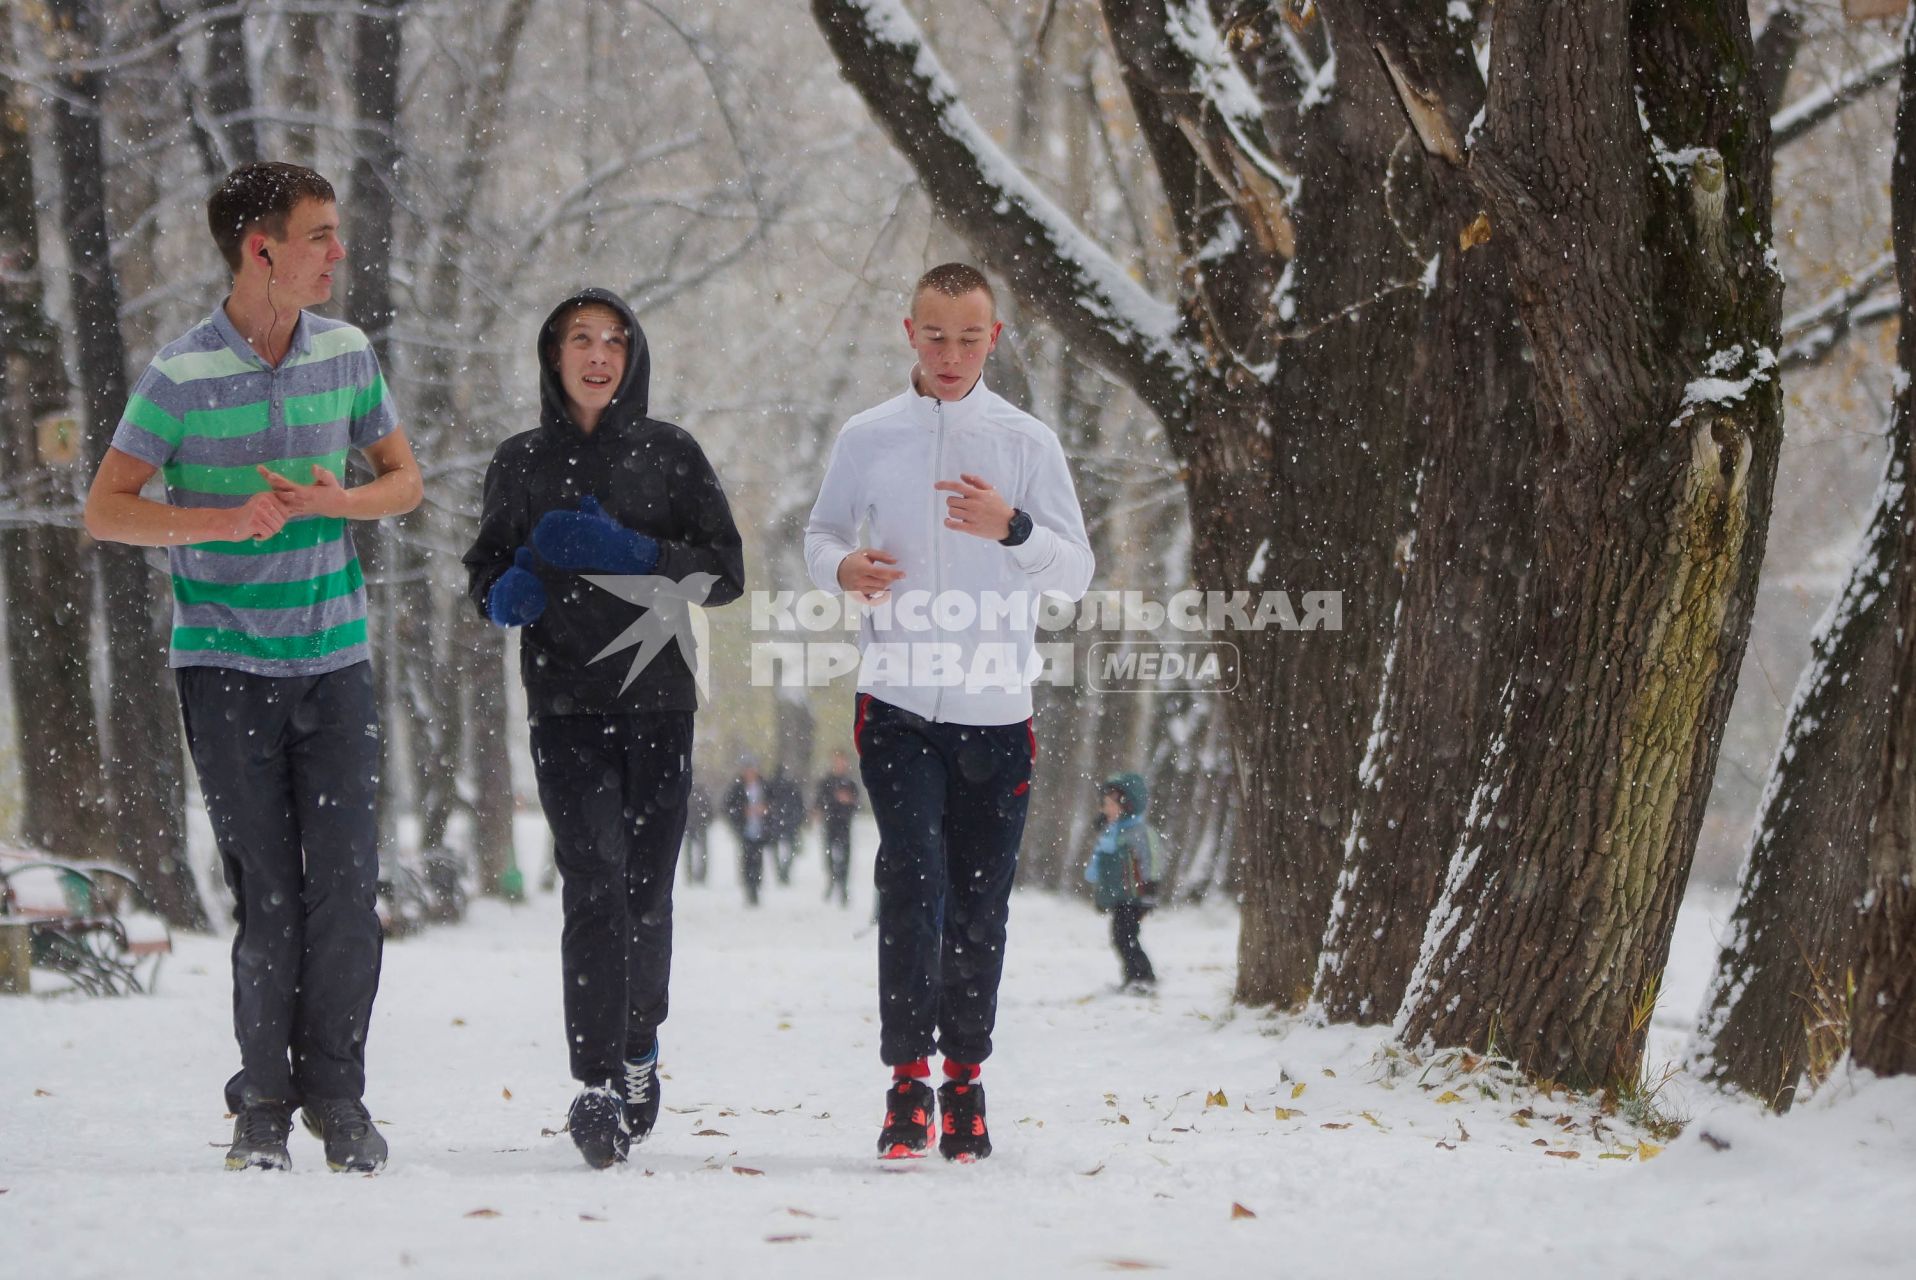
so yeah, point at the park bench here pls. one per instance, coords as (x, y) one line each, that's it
(89, 922)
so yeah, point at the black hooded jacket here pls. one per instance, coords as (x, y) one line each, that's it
(649, 476)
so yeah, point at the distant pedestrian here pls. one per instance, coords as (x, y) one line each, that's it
(748, 811)
(835, 803)
(1125, 868)
(788, 821)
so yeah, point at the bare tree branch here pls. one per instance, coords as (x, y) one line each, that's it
(1813, 333)
(1812, 109)
(1051, 265)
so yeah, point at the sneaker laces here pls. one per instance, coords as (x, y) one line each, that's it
(345, 1118)
(638, 1077)
(264, 1124)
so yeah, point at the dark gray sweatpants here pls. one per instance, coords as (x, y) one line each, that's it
(289, 769)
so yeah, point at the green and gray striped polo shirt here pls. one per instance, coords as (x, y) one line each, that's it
(206, 412)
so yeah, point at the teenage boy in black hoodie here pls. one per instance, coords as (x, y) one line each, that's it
(599, 488)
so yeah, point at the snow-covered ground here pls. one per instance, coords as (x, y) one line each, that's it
(1166, 1133)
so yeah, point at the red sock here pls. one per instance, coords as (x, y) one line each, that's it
(964, 1072)
(919, 1070)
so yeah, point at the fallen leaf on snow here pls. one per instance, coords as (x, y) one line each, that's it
(1330, 1073)
(1713, 1142)
(590, 1217)
(1449, 1096)
(801, 1213)
(506, 1094)
(1285, 1113)
(1539, 1143)
(1297, 1090)
(42, 1093)
(458, 1022)
(1239, 1211)
(1216, 1099)
(743, 1171)
(1565, 1155)
(787, 1239)
(485, 1213)
(1091, 1173)
(1375, 1122)
(1648, 1150)
(711, 1133)
(1446, 1146)
(1332, 1124)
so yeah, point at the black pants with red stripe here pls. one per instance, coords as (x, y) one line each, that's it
(950, 803)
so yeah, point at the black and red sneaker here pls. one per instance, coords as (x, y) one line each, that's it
(908, 1122)
(963, 1136)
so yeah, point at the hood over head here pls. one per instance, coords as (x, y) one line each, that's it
(1131, 787)
(630, 402)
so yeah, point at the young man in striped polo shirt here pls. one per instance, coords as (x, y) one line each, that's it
(249, 417)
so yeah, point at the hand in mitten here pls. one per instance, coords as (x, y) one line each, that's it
(589, 540)
(518, 598)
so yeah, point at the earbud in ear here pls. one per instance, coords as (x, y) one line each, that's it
(266, 255)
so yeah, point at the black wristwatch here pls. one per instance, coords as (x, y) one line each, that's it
(1020, 529)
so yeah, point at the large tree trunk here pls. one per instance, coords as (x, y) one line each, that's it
(1777, 1003)
(143, 765)
(378, 48)
(1883, 1035)
(1466, 571)
(1654, 316)
(1296, 462)
(49, 581)
(218, 94)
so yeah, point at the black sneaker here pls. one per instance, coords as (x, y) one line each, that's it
(353, 1145)
(642, 1094)
(908, 1122)
(962, 1135)
(597, 1122)
(259, 1137)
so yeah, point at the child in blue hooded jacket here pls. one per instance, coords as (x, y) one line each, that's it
(1124, 868)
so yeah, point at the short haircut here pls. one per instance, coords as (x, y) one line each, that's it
(260, 195)
(955, 280)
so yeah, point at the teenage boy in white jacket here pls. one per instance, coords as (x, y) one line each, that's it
(972, 517)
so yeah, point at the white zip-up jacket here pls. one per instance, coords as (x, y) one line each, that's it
(956, 640)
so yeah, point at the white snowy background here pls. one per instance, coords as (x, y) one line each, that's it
(1168, 1133)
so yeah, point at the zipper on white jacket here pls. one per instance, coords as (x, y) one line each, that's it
(937, 525)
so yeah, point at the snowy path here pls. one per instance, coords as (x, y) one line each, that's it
(1108, 1156)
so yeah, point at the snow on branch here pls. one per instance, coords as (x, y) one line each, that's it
(1053, 266)
(1810, 110)
(1217, 78)
(1812, 333)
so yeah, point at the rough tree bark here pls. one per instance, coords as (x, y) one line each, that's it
(1883, 1021)
(143, 761)
(378, 47)
(1640, 276)
(49, 581)
(1284, 404)
(219, 97)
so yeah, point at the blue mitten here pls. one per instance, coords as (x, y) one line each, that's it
(518, 598)
(589, 540)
